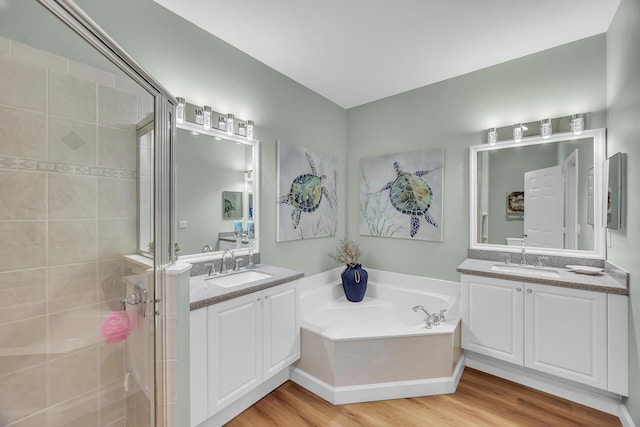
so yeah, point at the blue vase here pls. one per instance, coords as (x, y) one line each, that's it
(354, 282)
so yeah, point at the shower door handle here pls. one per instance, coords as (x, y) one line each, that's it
(139, 299)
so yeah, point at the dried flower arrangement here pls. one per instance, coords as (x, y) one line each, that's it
(347, 252)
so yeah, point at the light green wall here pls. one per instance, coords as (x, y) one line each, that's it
(205, 70)
(623, 119)
(452, 114)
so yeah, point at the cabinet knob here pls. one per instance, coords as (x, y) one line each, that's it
(518, 289)
(529, 291)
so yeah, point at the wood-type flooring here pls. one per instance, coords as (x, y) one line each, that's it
(480, 400)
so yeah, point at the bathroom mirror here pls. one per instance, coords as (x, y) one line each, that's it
(615, 191)
(217, 184)
(541, 188)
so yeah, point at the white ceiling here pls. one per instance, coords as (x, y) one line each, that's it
(357, 51)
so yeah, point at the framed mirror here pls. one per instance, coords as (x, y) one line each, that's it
(549, 190)
(216, 186)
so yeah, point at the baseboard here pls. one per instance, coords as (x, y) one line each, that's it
(584, 395)
(379, 391)
(625, 417)
(226, 414)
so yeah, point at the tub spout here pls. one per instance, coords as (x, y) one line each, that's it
(419, 307)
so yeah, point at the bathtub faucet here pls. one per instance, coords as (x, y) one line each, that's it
(431, 319)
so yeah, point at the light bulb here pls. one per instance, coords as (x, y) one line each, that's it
(517, 132)
(222, 123)
(206, 116)
(230, 124)
(242, 129)
(545, 128)
(492, 136)
(577, 124)
(180, 110)
(199, 118)
(250, 125)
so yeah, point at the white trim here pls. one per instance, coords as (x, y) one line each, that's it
(625, 417)
(380, 391)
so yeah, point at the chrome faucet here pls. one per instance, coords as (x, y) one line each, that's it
(207, 248)
(223, 269)
(431, 319)
(523, 251)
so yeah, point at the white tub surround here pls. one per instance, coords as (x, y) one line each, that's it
(379, 348)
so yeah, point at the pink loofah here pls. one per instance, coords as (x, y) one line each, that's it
(115, 327)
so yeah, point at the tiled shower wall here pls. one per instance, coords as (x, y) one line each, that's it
(68, 207)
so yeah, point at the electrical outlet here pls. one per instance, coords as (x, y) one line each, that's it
(182, 223)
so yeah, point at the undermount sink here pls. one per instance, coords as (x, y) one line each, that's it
(237, 278)
(525, 270)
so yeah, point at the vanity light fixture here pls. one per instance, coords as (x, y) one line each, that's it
(492, 136)
(230, 118)
(545, 128)
(180, 110)
(517, 132)
(206, 117)
(250, 125)
(209, 119)
(577, 124)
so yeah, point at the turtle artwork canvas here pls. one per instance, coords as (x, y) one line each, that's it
(401, 195)
(306, 200)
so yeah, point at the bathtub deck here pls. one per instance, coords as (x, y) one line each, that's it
(481, 399)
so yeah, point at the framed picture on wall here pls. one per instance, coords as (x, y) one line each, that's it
(401, 195)
(232, 204)
(515, 202)
(307, 202)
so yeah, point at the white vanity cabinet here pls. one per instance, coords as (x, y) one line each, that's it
(565, 333)
(492, 318)
(570, 333)
(234, 346)
(238, 344)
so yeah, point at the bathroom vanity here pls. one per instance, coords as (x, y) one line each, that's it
(567, 325)
(243, 337)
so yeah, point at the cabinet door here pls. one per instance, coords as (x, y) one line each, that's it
(198, 365)
(281, 320)
(492, 318)
(566, 333)
(235, 349)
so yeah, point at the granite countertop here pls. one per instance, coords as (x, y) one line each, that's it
(569, 279)
(204, 293)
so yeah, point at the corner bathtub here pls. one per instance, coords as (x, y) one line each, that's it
(378, 348)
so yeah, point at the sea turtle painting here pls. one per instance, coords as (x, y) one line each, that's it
(306, 193)
(411, 195)
(228, 208)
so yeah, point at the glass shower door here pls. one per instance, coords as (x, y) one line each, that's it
(78, 304)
